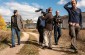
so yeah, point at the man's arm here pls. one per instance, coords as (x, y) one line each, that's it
(80, 18)
(45, 17)
(66, 6)
(11, 22)
(38, 22)
(22, 22)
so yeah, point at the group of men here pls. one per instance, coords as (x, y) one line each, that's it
(46, 24)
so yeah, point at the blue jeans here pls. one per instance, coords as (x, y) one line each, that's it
(17, 32)
(57, 33)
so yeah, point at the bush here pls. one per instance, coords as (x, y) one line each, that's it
(2, 23)
(5, 35)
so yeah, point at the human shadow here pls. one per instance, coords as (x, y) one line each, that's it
(33, 42)
(65, 50)
(7, 42)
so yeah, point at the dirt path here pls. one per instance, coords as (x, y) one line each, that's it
(15, 50)
(47, 51)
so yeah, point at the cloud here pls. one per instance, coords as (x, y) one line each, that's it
(61, 2)
(27, 11)
(37, 5)
(81, 3)
(5, 12)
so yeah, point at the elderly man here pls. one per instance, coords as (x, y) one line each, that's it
(57, 27)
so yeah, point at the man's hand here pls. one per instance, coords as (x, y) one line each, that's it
(77, 25)
(22, 29)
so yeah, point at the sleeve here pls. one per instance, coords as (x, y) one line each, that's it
(11, 22)
(54, 20)
(38, 21)
(21, 21)
(80, 18)
(45, 17)
(66, 6)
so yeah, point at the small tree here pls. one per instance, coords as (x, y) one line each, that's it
(2, 23)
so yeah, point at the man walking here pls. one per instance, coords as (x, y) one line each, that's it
(75, 22)
(16, 26)
(40, 28)
(57, 27)
(48, 28)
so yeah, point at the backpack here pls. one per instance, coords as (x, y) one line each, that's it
(42, 22)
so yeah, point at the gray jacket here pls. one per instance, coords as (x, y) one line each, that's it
(19, 22)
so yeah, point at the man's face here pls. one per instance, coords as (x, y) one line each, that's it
(50, 9)
(57, 12)
(74, 4)
(16, 13)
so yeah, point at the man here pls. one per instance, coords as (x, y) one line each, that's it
(48, 28)
(75, 22)
(57, 27)
(16, 26)
(40, 28)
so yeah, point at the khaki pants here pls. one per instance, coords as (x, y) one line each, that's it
(47, 38)
(74, 33)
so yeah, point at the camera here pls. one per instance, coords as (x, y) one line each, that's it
(41, 10)
(59, 21)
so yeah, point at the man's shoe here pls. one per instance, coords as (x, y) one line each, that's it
(75, 51)
(18, 44)
(56, 44)
(12, 46)
(72, 47)
(44, 47)
(49, 48)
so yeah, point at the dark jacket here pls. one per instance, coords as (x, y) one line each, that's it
(49, 21)
(39, 26)
(57, 20)
(75, 16)
(20, 24)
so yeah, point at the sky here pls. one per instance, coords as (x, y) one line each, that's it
(27, 8)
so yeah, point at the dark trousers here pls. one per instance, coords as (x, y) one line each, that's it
(57, 33)
(41, 31)
(17, 32)
(74, 33)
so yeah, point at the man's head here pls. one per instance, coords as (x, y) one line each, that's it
(50, 9)
(15, 12)
(74, 3)
(57, 12)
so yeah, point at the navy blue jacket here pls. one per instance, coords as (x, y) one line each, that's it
(75, 16)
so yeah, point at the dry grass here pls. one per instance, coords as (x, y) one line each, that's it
(30, 48)
(4, 35)
(4, 38)
(65, 41)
